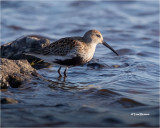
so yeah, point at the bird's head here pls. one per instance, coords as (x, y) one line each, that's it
(94, 36)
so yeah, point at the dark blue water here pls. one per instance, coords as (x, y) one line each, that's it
(108, 94)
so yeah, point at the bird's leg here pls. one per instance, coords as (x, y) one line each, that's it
(59, 72)
(64, 80)
(65, 72)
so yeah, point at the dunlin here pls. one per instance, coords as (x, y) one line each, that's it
(72, 51)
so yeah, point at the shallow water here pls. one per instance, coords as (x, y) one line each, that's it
(106, 92)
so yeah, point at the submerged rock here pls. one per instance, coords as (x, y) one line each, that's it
(15, 72)
(8, 101)
(15, 50)
(97, 65)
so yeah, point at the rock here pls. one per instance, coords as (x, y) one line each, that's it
(116, 66)
(8, 101)
(15, 72)
(15, 50)
(97, 65)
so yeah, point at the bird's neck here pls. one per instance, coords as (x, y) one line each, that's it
(92, 45)
(89, 51)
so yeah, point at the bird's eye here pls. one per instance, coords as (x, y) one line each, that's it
(98, 35)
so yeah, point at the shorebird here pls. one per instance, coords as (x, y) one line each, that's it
(71, 51)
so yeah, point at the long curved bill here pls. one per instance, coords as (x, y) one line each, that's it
(108, 46)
